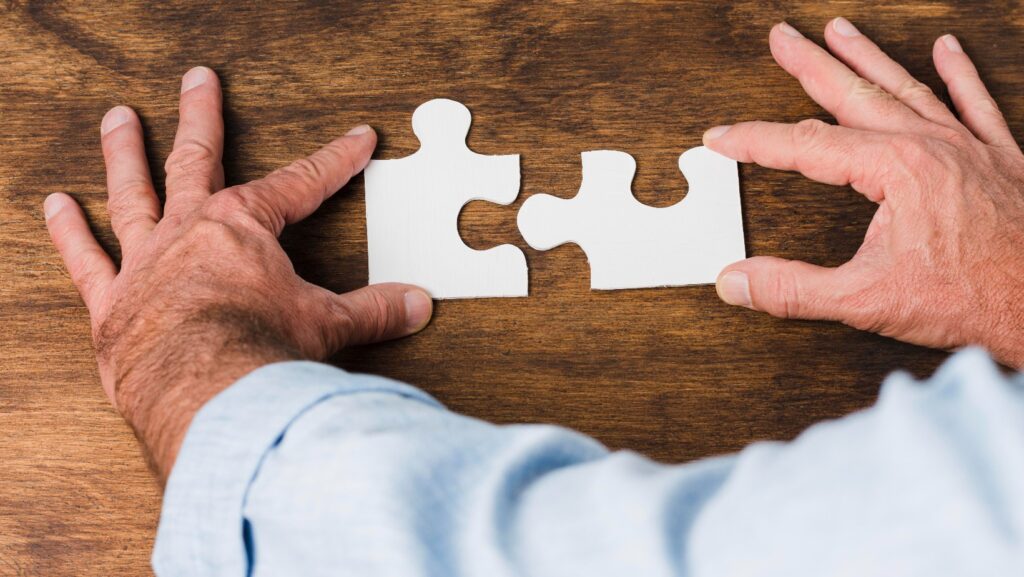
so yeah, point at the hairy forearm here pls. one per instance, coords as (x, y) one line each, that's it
(998, 315)
(1007, 342)
(161, 387)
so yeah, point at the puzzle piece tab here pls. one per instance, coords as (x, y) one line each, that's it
(632, 245)
(413, 205)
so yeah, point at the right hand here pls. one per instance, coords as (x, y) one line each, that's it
(942, 263)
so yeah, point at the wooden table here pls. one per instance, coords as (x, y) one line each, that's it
(673, 373)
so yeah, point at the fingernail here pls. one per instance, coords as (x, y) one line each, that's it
(789, 30)
(845, 27)
(952, 44)
(195, 77)
(52, 205)
(361, 129)
(715, 132)
(418, 308)
(734, 288)
(114, 117)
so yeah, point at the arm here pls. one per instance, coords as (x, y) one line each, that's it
(303, 469)
(205, 294)
(941, 264)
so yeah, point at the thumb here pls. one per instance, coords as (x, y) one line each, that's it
(786, 288)
(378, 313)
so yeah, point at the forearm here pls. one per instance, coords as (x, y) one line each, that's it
(161, 387)
(998, 316)
(1008, 349)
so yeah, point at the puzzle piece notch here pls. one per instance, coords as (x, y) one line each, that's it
(413, 205)
(632, 245)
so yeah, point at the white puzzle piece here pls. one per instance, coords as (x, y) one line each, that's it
(632, 245)
(413, 205)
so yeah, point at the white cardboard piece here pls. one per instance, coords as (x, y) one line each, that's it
(413, 205)
(632, 245)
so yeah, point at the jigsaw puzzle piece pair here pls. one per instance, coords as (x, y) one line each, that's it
(413, 204)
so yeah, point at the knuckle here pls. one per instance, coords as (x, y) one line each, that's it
(383, 310)
(345, 323)
(190, 156)
(988, 107)
(216, 233)
(858, 92)
(126, 212)
(124, 220)
(786, 288)
(127, 191)
(174, 220)
(809, 130)
(378, 312)
(812, 141)
(912, 90)
(240, 205)
(307, 169)
(226, 203)
(367, 319)
(860, 88)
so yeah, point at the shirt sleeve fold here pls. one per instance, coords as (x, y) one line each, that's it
(201, 523)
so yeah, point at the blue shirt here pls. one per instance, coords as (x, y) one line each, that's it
(304, 469)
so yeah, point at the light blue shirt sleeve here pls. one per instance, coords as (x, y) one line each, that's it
(304, 469)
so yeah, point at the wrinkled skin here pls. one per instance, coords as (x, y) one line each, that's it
(205, 293)
(941, 263)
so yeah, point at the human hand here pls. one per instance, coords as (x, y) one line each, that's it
(205, 293)
(941, 263)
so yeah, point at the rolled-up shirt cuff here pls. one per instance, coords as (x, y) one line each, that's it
(221, 455)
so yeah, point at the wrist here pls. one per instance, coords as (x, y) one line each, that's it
(1003, 336)
(1007, 344)
(160, 389)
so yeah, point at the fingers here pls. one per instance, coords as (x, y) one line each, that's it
(377, 313)
(977, 109)
(131, 201)
(194, 169)
(830, 154)
(292, 193)
(867, 60)
(852, 100)
(90, 267)
(787, 288)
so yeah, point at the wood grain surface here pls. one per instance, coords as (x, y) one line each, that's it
(673, 373)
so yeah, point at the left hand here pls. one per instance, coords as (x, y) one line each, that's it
(205, 293)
